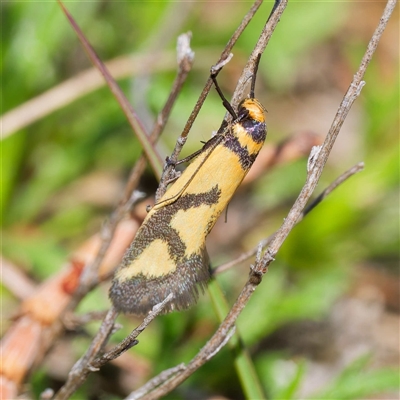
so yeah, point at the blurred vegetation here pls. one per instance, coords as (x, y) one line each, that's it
(303, 75)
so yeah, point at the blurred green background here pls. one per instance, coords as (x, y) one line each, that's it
(324, 322)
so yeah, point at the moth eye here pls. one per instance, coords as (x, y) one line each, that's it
(243, 113)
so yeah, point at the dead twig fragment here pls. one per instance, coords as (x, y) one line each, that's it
(342, 178)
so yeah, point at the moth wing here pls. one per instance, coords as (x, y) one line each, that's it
(140, 294)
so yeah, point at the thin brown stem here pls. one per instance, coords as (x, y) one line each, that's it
(73, 321)
(126, 107)
(89, 278)
(90, 361)
(156, 381)
(130, 340)
(83, 366)
(265, 242)
(259, 48)
(225, 53)
(325, 193)
(209, 350)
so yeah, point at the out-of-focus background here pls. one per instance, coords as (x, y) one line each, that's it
(324, 323)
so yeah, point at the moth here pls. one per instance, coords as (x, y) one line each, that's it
(168, 254)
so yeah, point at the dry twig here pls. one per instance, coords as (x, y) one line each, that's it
(85, 365)
(265, 242)
(89, 277)
(156, 381)
(185, 62)
(89, 363)
(185, 56)
(295, 214)
(134, 121)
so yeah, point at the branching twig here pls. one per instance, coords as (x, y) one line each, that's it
(185, 62)
(228, 48)
(91, 362)
(257, 271)
(209, 349)
(89, 276)
(350, 172)
(88, 362)
(130, 340)
(185, 58)
(83, 366)
(72, 321)
(259, 48)
(263, 243)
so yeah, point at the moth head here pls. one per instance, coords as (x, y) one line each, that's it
(251, 109)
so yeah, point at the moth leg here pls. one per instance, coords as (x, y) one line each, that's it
(225, 102)
(184, 160)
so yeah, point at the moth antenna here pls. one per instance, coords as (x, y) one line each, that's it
(253, 78)
(276, 4)
(225, 102)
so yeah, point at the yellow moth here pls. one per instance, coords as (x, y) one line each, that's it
(168, 254)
